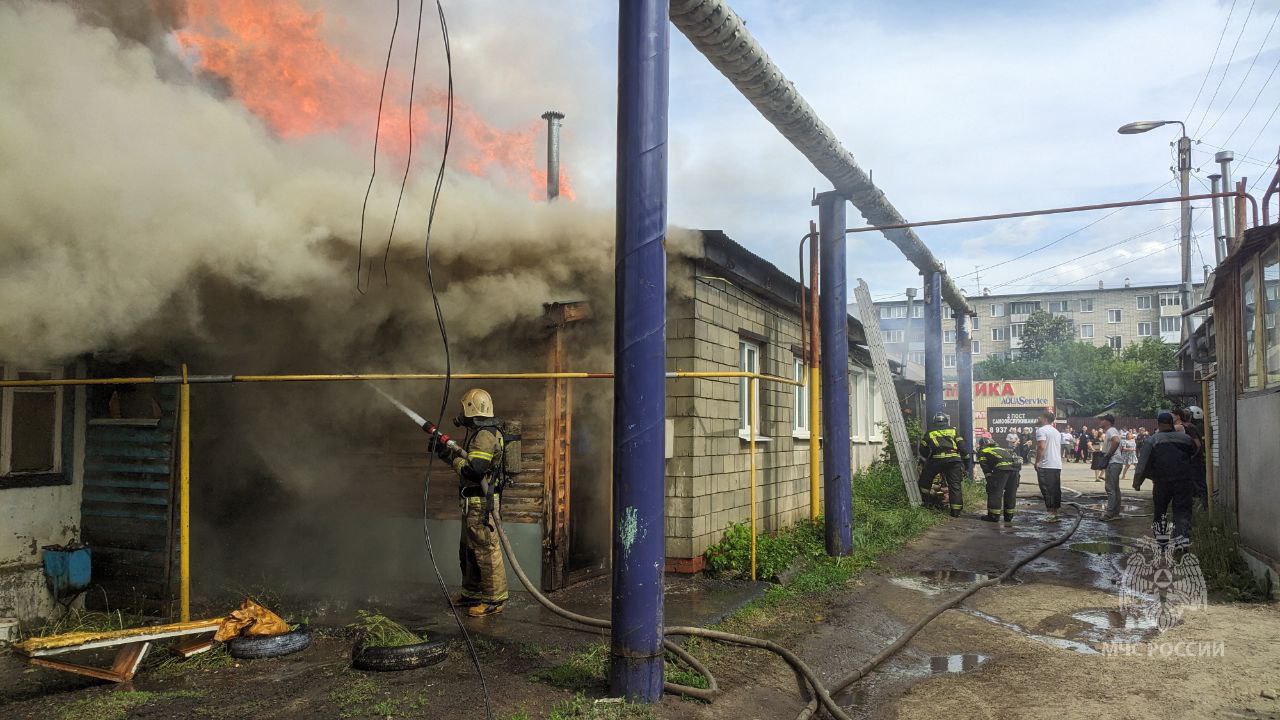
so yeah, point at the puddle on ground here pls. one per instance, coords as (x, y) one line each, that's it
(943, 664)
(1114, 545)
(1050, 640)
(1111, 625)
(933, 582)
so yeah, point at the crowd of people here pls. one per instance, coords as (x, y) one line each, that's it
(1172, 458)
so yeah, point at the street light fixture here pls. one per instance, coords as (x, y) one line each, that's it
(1184, 177)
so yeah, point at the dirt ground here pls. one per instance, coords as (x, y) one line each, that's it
(1027, 649)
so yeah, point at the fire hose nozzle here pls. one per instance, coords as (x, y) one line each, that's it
(442, 438)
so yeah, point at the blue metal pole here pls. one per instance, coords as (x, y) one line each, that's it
(635, 668)
(933, 345)
(834, 327)
(964, 383)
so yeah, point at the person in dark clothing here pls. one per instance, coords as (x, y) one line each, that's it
(943, 451)
(1192, 418)
(1001, 468)
(1167, 460)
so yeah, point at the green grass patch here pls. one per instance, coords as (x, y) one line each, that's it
(378, 630)
(113, 704)
(360, 695)
(91, 622)
(1216, 544)
(174, 665)
(579, 707)
(589, 670)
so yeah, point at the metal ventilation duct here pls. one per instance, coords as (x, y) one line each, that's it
(719, 34)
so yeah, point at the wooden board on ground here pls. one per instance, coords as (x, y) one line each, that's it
(884, 383)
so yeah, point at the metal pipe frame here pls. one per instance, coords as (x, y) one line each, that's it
(964, 386)
(815, 382)
(838, 490)
(1056, 211)
(639, 400)
(932, 347)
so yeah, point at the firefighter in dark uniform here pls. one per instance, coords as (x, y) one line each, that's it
(1167, 459)
(1001, 468)
(479, 468)
(943, 452)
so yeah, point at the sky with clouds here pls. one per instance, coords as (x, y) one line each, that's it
(957, 108)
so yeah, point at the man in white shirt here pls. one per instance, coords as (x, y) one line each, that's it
(1049, 465)
(1115, 464)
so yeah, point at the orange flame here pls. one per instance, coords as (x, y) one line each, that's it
(273, 58)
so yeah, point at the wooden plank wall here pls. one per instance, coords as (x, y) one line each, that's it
(1227, 342)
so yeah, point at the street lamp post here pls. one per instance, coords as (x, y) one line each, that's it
(906, 350)
(1184, 180)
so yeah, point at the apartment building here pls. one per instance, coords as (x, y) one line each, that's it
(1115, 317)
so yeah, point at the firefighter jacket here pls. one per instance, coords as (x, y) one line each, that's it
(479, 467)
(1166, 457)
(942, 445)
(993, 458)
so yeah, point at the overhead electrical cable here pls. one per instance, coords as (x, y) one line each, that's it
(1262, 46)
(1248, 112)
(1226, 68)
(377, 131)
(1157, 251)
(1108, 246)
(1209, 70)
(408, 160)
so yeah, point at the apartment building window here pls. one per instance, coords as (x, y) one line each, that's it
(1086, 332)
(917, 310)
(894, 336)
(893, 312)
(1015, 354)
(1144, 329)
(996, 356)
(1172, 299)
(916, 357)
(1113, 316)
(1015, 330)
(997, 309)
(1170, 324)
(948, 336)
(1058, 306)
(1086, 304)
(30, 425)
(949, 360)
(749, 354)
(977, 347)
(974, 322)
(1023, 308)
(1144, 302)
(855, 405)
(999, 334)
(1114, 342)
(800, 404)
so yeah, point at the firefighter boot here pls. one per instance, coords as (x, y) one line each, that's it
(990, 517)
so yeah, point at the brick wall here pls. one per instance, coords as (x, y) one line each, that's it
(708, 485)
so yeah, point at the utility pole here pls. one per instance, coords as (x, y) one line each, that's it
(1184, 180)
(906, 350)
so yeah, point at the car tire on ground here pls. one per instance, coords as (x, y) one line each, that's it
(269, 646)
(399, 657)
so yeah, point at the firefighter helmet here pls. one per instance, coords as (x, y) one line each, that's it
(985, 441)
(1196, 412)
(941, 420)
(477, 403)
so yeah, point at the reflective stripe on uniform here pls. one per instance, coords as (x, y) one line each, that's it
(479, 455)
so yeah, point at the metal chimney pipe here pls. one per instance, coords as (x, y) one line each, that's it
(1218, 204)
(1224, 158)
(553, 118)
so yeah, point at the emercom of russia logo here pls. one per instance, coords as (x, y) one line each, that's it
(1161, 581)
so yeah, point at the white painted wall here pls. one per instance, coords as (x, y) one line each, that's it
(31, 518)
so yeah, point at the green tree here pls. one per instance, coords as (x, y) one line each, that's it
(1043, 331)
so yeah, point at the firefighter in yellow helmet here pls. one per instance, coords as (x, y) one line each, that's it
(943, 451)
(1001, 469)
(480, 473)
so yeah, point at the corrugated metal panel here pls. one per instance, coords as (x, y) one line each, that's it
(127, 509)
(1213, 419)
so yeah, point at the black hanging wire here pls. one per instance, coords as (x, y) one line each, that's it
(413, 81)
(377, 130)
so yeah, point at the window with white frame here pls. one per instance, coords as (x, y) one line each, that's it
(1114, 342)
(917, 310)
(949, 336)
(1086, 304)
(977, 347)
(1172, 299)
(1113, 315)
(1086, 332)
(800, 402)
(916, 357)
(749, 358)
(997, 309)
(999, 334)
(855, 404)
(949, 360)
(1144, 329)
(1058, 306)
(1015, 330)
(1144, 302)
(894, 336)
(996, 356)
(973, 321)
(30, 424)
(893, 312)
(1171, 324)
(1025, 307)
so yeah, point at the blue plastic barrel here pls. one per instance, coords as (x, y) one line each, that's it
(67, 569)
